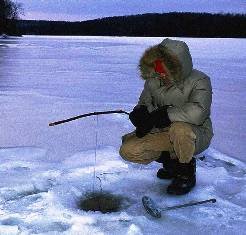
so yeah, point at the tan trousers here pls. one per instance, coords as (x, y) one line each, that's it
(178, 139)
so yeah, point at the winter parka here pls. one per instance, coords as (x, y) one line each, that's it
(189, 96)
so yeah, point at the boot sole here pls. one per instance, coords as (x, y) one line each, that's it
(176, 192)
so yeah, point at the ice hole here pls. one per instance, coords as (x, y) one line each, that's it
(102, 201)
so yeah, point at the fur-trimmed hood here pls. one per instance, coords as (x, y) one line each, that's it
(175, 55)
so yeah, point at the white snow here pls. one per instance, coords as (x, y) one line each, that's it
(45, 171)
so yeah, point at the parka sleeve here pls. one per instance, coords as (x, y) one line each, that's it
(197, 109)
(146, 98)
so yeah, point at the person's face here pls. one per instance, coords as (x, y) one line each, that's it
(161, 69)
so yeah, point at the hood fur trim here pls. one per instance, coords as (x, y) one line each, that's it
(146, 63)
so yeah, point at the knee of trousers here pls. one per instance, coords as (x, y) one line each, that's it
(128, 151)
(183, 139)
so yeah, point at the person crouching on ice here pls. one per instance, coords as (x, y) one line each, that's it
(172, 117)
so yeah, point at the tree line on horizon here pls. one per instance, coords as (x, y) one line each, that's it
(176, 24)
(9, 14)
(149, 25)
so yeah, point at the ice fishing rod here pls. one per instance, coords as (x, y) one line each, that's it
(152, 209)
(87, 115)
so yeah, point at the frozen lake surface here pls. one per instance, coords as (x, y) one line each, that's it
(50, 78)
(46, 170)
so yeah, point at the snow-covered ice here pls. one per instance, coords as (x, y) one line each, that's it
(39, 197)
(45, 171)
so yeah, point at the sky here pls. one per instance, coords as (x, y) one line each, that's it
(78, 10)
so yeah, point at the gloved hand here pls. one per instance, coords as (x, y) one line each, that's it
(139, 115)
(142, 131)
(160, 117)
(141, 119)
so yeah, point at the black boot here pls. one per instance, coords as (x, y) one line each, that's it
(185, 179)
(169, 166)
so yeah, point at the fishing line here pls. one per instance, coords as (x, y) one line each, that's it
(95, 155)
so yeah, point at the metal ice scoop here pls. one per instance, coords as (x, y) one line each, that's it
(151, 207)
